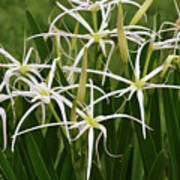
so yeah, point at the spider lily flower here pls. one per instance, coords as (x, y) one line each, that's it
(138, 86)
(98, 36)
(20, 69)
(80, 5)
(41, 94)
(89, 123)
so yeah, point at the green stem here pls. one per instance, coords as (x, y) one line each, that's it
(51, 107)
(94, 15)
(60, 149)
(148, 57)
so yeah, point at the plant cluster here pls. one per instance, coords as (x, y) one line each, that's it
(92, 70)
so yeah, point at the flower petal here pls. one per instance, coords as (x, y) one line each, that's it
(140, 98)
(20, 123)
(3, 116)
(90, 151)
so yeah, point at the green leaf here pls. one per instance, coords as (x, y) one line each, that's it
(147, 147)
(125, 163)
(6, 168)
(36, 159)
(158, 169)
(137, 167)
(172, 133)
(41, 45)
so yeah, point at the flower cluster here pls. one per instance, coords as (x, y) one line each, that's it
(28, 80)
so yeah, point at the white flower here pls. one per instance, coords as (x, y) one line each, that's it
(41, 94)
(89, 123)
(97, 35)
(17, 68)
(139, 85)
(89, 5)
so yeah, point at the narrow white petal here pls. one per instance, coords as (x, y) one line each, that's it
(69, 103)
(7, 55)
(3, 116)
(90, 151)
(137, 65)
(104, 131)
(115, 116)
(120, 92)
(140, 98)
(102, 45)
(52, 72)
(39, 66)
(41, 127)
(111, 75)
(76, 16)
(62, 89)
(91, 107)
(20, 123)
(79, 56)
(59, 33)
(151, 86)
(153, 73)
(43, 108)
(28, 56)
(81, 132)
(63, 112)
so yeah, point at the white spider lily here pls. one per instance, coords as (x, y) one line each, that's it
(17, 68)
(80, 5)
(41, 94)
(139, 85)
(89, 123)
(98, 36)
